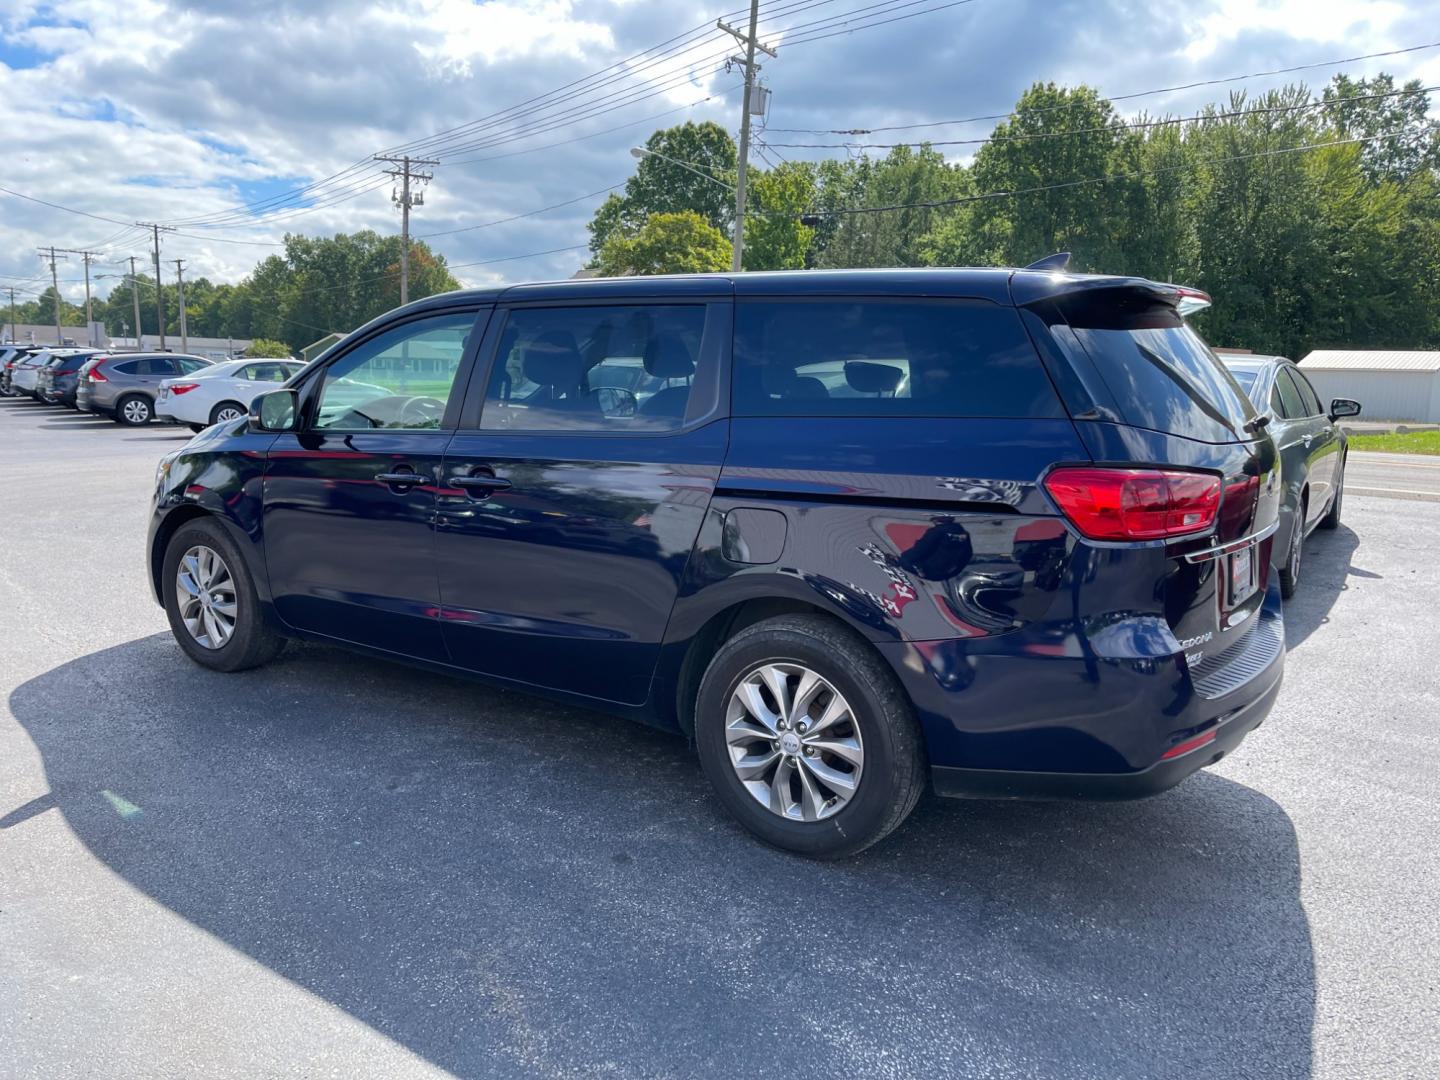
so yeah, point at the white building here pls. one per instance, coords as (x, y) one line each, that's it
(1388, 385)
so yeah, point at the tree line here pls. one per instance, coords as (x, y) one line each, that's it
(1312, 220)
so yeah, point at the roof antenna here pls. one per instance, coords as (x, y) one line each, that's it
(1059, 261)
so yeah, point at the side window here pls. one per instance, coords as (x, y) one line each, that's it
(1312, 399)
(130, 367)
(1276, 405)
(401, 379)
(1292, 405)
(189, 367)
(611, 368)
(886, 358)
(247, 372)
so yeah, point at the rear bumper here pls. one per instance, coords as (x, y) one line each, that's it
(1230, 731)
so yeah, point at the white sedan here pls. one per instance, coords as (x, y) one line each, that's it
(220, 393)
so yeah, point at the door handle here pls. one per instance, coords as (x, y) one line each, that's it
(399, 478)
(480, 481)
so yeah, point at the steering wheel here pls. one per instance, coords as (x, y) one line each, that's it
(419, 411)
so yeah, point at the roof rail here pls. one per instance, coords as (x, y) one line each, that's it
(1059, 261)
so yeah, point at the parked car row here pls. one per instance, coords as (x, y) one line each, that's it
(136, 388)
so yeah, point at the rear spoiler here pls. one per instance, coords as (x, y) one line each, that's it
(1029, 286)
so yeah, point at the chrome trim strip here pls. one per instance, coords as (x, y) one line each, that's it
(1232, 545)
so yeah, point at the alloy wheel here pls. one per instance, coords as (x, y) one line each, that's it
(794, 742)
(136, 411)
(228, 413)
(205, 593)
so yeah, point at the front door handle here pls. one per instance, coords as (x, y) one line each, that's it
(399, 478)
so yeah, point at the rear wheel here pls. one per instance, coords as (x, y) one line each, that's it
(1290, 572)
(807, 738)
(226, 411)
(134, 410)
(211, 602)
(1331, 520)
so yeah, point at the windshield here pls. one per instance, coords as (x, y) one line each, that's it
(1161, 374)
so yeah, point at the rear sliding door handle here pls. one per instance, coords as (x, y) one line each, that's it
(481, 482)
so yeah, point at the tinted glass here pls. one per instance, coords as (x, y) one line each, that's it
(1292, 403)
(886, 358)
(129, 367)
(1277, 406)
(1245, 378)
(629, 368)
(1159, 371)
(401, 379)
(1307, 392)
(188, 367)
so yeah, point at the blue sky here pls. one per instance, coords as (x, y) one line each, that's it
(197, 111)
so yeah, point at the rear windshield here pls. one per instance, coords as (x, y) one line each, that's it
(1161, 374)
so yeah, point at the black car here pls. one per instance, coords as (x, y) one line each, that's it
(1006, 532)
(1312, 447)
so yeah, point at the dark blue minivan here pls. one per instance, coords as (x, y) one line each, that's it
(1006, 532)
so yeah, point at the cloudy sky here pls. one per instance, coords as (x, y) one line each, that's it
(238, 120)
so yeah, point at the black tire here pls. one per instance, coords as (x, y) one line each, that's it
(1331, 520)
(252, 643)
(134, 410)
(216, 418)
(197, 428)
(1290, 572)
(894, 771)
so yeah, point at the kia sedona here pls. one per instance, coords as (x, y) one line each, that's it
(123, 386)
(1313, 449)
(1003, 532)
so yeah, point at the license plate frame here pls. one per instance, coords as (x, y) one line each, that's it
(1241, 578)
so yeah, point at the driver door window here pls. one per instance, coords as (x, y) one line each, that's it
(399, 381)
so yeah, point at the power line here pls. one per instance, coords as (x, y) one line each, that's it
(1138, 125)
(526, 214)
(1115, 97)
(1132, 175)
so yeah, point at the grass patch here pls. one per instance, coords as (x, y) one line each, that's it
(1412, 442)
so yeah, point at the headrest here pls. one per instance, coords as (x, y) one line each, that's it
(867, 378)
(552, 359)
(666, 357)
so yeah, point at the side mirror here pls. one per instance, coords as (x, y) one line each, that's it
(279, 410)
(1342, 407)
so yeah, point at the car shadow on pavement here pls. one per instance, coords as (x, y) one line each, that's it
(504, 885)
(1325, 573)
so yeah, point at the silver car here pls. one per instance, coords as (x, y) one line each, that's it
(1312, 452)
(124, 385)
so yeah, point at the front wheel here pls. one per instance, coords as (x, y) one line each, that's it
(211, 602)
(807, 737)
(1290, 572)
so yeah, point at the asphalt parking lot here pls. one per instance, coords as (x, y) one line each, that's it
(335, 867)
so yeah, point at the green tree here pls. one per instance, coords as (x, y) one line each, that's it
(775, 237)
(908, 178)
(681, 243)
(264, 348)
(1354, 109)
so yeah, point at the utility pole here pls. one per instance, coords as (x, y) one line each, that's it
(159, 296)
(180, 284)
(14, 326)
(55, 284)
(135, 299)
(88, 257)
(405, 198)
(748, 63)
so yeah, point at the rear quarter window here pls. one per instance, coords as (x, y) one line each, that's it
(1160, 372)
(861, 357)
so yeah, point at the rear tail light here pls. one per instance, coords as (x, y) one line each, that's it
(1192, 300)
(1135, 504)
(183, 387)
(67, 371)
(98, 376)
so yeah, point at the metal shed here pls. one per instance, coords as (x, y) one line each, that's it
(1389, 385)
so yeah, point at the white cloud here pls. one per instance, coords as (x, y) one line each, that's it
(153, 110)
